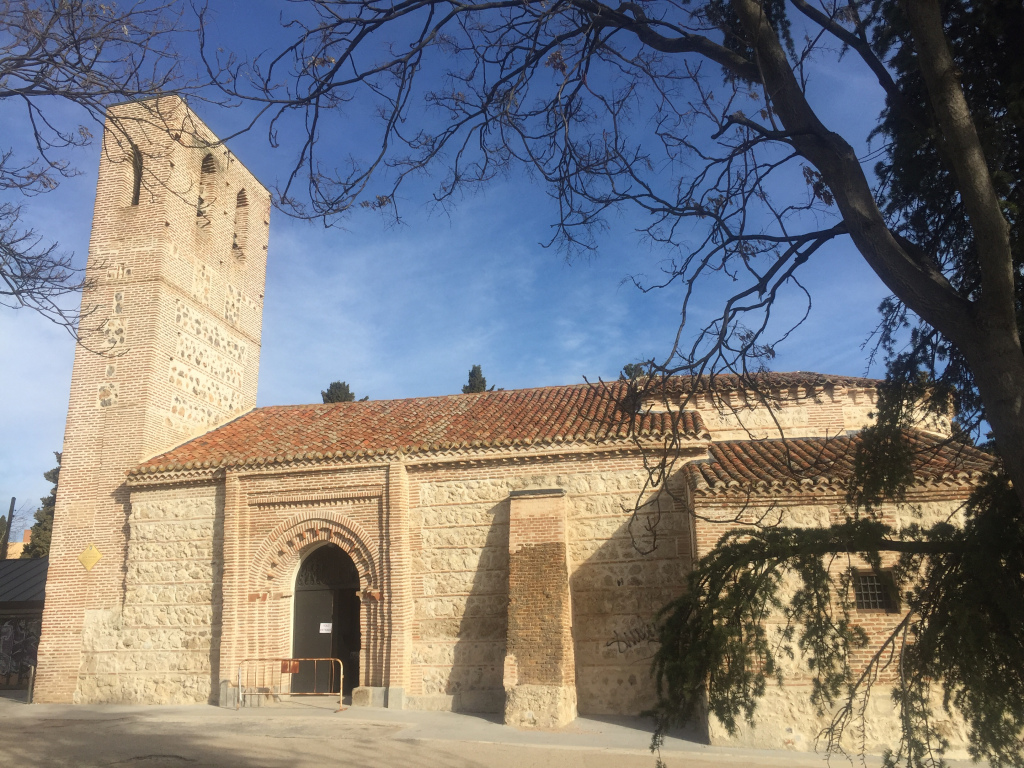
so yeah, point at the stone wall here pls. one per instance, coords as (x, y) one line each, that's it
(798, 411)
(785, 717)
(619, 578)
(625, 570)
(162, 647)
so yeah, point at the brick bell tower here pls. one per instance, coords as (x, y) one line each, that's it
(170, 348)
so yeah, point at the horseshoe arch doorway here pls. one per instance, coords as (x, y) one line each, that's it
(326, 620)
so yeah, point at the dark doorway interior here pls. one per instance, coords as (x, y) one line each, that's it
(326, 622)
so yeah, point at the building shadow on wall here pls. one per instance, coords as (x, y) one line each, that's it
(625, 569)
(478, 655)
(622, 575)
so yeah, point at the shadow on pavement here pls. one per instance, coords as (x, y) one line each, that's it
(695, 734)
(158, 738)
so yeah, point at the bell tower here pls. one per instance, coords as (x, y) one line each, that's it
(169, 348)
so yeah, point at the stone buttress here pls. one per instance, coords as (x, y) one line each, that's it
(539, 675)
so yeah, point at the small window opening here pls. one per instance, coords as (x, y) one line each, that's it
(207, 188)
(241, 235)
(136, 175)
(875, 592)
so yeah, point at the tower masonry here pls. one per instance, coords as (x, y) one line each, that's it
(170, 347)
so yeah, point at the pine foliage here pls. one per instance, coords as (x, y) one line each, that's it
(39, 541)
(339, 392)
(477, 382)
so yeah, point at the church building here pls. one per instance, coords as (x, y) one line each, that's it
(496, 552)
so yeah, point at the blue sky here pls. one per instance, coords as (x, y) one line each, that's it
(404, 311)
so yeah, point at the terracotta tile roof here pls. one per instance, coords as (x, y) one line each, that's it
(575, 413)
(745, 465)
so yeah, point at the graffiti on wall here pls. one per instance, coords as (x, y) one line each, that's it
(639, 633)
(19, 640)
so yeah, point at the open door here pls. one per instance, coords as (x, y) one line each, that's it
(326, 620)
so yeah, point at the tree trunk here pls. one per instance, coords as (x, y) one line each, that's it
(985, 332)
(998, 367)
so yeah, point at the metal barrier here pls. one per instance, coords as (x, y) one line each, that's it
(267, 677)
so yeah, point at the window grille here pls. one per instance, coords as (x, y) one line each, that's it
(874, 592)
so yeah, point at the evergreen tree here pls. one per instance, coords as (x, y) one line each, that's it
(477, 382)
(42, 529)
(339, 392)
(961, 587)
(631, 371)
(3, 527)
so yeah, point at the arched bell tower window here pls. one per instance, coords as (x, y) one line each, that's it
(241, 237)
(136, 176)
(207, 189)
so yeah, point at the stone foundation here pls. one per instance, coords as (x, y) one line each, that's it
(540, 706)
(786, 719)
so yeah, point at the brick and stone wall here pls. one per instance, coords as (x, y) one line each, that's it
(785, 717)
(432, 547)
(163, 645)
(619, 577)
(431, 543)
(539, 673)
(276, 519)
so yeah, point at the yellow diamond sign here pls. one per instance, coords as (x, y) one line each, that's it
(90, 557)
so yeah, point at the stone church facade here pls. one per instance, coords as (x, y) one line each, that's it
(495, 560)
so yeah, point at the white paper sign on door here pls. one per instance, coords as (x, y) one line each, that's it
(325, 628)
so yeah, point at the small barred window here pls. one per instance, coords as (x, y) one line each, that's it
(874, 592)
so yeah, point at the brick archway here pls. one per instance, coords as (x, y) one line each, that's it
(278, 557)
(271, 580)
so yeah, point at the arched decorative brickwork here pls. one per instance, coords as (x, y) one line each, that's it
(207, 189)
(266, 628)
(277, 559)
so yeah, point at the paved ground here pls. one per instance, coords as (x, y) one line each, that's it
(310, 734)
